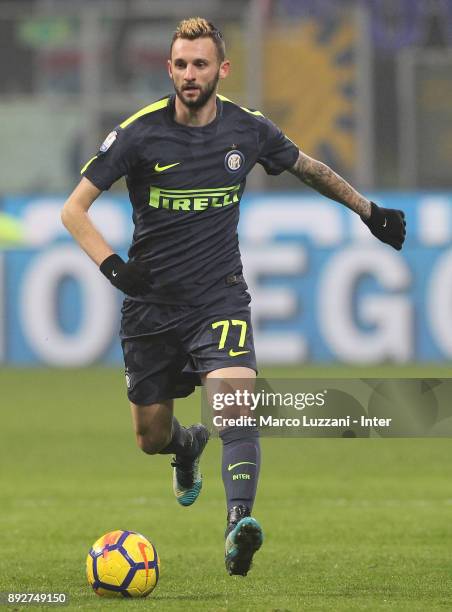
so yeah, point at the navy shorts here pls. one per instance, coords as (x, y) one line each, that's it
(166, 348)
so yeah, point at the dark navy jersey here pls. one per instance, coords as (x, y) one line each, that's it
(185, 185)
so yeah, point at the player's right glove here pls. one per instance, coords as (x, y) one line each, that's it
(387, 224)
(130, 277)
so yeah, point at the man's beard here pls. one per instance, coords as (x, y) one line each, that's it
(203, 97)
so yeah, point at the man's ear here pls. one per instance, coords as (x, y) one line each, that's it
(225, 68)
(170, 72)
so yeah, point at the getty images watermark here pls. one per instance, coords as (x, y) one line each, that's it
(277, 400)
(331, 408)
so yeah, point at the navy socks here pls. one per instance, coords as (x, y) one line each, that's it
(240, 466)
(181, 441)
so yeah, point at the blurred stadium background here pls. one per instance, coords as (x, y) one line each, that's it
(362, 85)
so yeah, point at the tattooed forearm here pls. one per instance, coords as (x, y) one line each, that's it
(321, 178)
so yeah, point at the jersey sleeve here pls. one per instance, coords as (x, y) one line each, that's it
(278, 153)
(114, 159)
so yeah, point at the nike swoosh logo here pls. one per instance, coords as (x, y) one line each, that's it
(385, 223)
(142, 549)
(114, 273)
(159, 168)
(236, 353)
(231, 467)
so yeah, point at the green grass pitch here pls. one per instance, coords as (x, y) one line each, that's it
(350, 524)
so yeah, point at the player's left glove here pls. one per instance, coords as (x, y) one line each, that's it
(387, 224)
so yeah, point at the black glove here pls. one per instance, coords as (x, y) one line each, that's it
(387, 224)
(132, 277)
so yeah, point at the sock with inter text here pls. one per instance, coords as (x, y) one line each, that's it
(240, 465)
(182, 441)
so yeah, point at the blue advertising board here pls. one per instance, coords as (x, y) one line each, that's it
(324, 289)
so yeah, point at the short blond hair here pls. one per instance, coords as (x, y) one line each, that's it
(198, 27)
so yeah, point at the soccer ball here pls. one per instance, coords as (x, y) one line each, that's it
(123, 564)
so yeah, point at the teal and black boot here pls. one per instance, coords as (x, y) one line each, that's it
(244, 537)
(187, 477)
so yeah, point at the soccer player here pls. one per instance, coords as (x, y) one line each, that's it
(186, 315)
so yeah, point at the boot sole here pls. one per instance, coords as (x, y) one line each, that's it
(248, 540)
